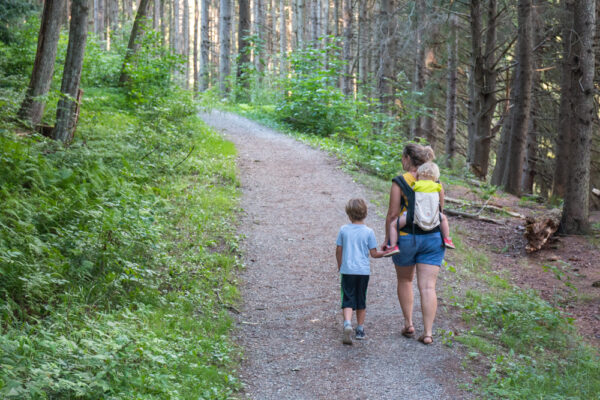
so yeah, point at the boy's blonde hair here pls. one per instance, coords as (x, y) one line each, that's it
(429, 169)
(356, 209)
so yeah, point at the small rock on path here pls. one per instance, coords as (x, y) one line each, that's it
(290, 325)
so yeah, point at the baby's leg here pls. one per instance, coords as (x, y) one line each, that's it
(395, 226)
(444, 227)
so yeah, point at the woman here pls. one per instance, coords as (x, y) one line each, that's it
(420, 251)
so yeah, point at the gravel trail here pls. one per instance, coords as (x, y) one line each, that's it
(290, 324)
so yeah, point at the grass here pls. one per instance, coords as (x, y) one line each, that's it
(118, 257)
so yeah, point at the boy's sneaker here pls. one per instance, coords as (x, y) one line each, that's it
(390, 251)
(360, 334)
(449, 244)
(347, 334)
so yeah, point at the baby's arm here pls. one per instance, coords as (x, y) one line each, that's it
(338, 256)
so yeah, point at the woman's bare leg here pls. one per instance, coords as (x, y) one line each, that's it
(405, 277)
(426, 280)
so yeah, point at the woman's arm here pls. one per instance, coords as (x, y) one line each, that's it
(338, 256)
(393, 209)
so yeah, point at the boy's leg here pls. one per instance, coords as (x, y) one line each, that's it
(348, 304)
(347, 313)
(360, 316)
(361, 305)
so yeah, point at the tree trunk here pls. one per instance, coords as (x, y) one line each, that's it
(243, 45)
(451, 108)
(99, 20)
(258, 33)
(346, 50)
(282, 40)
(484, 81)
(575, 218)
(204, 46)
(32, 107)
(225, 44)
(336, 18)
(520, 110)
(315, 21)
(502, 150)
(196, 28)
(300, 25)
(136, 33)
(185, 26)
(418, 83)
(163, 25)
(387, 53)
(531, 147)
(156, 16)
(363, 43)
(65, 110)
(565, 123)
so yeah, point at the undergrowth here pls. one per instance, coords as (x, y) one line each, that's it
(117, 254)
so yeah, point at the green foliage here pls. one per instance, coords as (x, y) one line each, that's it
(12, 13)
(312, 100)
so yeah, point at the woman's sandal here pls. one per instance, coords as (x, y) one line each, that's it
(423, 339)
(408, 331)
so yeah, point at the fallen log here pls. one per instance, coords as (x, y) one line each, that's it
(484, 206)
(539, 230)
(478, 217)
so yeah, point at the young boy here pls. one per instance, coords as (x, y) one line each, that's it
(428, 175)
(355, 242)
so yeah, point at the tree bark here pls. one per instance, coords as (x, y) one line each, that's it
(575, 218)
(225, 44)
(387, 55)
(32, 107)
(451, 107)
(185, 27)
(418, 83)
(282, 40)
(258, 33)
(243, 44)
(522, 102)
(363, 43)
(346, 49)
(196, 44)
(483, 103)
(99, 20)
(65, 110)
(136, 33)
(565, 123)
(204, 46)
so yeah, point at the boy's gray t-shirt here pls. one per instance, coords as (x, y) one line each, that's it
(356, 241)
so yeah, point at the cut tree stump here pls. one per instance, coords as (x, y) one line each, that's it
(539, 230)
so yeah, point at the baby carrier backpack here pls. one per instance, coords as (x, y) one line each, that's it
(422, 209)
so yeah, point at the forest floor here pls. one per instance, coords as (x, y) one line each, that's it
(289, 324)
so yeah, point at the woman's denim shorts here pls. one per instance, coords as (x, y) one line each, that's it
(420, 249)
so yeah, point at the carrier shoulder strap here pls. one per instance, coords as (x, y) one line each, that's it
(406, 200)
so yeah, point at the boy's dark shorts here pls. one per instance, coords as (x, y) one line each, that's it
(354, 291)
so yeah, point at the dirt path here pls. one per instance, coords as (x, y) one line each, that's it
(290, 324)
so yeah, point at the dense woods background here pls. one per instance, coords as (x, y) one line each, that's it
(505, 92)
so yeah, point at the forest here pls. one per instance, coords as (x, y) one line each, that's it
(119, 251)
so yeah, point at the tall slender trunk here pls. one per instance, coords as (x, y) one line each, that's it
(565, 123)
(451, 107)
(363, 43)
(346, 49)
(483, 102)
(225, 44)
(258, 33)
(177, 26)
(204, 46)
(315, 21)
(156, 16)
(301, 25)
(32, 107)
(99, 20)
(136, 33)
(575, 217)
(243, 45)
(163, 24)
(418, 83)
(520, 111)
(282, 39)
(387, 53)
(336, 18)
(65, 110)
(502, 150)
(113, 17)
(196, 44)
(185, 26)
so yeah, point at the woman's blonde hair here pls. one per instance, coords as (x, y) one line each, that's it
(418, 154)
(356, 209)
(430, 170)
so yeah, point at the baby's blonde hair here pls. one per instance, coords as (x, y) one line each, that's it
(429, 169)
